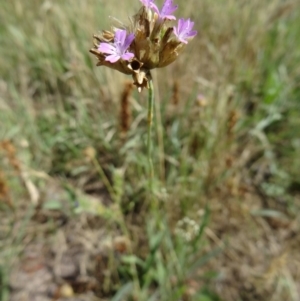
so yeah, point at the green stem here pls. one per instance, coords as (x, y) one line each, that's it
(150, 125)
(104, 178)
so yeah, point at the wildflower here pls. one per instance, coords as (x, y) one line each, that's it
(118, 50)
(184, 30)
(187, 229)
(167, 9)
(152, 43)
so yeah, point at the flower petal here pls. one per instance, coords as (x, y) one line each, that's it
(169, 17)
(192, 33)
(183, 31)
(181, 23)
(120, 37)
(107, 48)
(112, 58)
(128, 41)
(182, 40)
(155, 8)
(127, 56)
(167, 9)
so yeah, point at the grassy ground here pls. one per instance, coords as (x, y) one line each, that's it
(76, 221)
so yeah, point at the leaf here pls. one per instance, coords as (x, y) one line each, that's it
(123, 292)
(52, 205)
(132, 259)
(267, 213)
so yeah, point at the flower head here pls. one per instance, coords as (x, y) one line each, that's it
(118, 50)
(184, 31)
(166, 11)
(152, 42)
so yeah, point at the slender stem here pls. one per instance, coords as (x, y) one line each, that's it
(104, 178)
(150, 124)
(160, 134)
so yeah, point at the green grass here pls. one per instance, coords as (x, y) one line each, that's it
(215, 161)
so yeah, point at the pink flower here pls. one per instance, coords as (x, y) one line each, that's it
(183, 31)
(118, 50)
(166, 11)
(149, 4)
